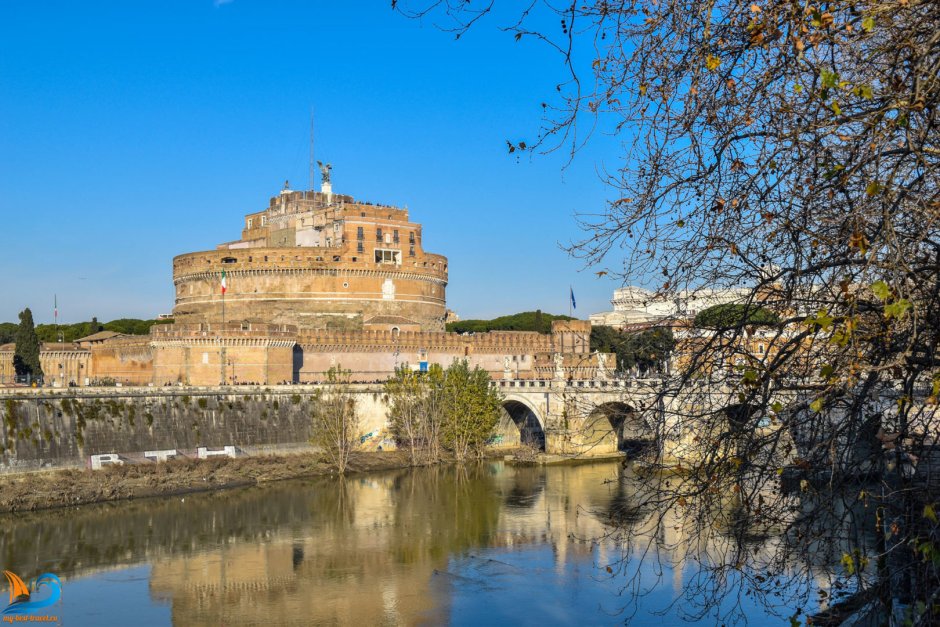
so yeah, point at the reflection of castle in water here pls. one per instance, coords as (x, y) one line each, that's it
(380, 546)
(371, 549)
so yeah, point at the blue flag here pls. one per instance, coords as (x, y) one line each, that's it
(574, 305)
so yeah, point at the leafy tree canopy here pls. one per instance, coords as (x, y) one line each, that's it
(734, 316)
(74, 331)
(7, 332)
(525, 321)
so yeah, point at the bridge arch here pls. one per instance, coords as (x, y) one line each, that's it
(616, 426)
(520, 424)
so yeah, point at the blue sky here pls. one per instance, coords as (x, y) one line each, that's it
(131, 132)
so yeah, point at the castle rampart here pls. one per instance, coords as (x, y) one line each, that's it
(316, 260)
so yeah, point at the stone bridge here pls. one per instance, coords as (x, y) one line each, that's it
(588, 417)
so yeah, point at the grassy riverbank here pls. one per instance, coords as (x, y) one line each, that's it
(62, 488)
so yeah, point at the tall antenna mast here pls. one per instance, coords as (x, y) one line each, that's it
(311, 188)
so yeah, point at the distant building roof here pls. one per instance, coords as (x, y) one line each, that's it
(61, 346)
(100, 336)
(389, 320)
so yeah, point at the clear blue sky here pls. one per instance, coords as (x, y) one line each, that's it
(131, 132)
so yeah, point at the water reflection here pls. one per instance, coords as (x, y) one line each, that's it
(431, 546)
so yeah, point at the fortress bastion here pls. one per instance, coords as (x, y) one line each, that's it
(317, 260)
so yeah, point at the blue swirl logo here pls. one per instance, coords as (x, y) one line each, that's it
(21, 601)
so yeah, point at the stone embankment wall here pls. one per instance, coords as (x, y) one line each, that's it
(63, 428)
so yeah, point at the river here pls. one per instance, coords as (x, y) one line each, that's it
(489, 544)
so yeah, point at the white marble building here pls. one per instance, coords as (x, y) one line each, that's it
(635, 305)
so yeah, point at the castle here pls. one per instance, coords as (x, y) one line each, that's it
(317, 280)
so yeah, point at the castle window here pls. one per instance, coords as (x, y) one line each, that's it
(319, 259)
(360, 233)
(355, 258)
(411, 251)
(395, 236)
(249, 222)
(264, 220)
(411, 238)
(336, 257)
(229, 259)
(383, 255)
(360, 248)
(378, 235)
(760, 349)
(362, 214)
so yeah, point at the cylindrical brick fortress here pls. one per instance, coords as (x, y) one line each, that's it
(307, 288)
(317, 260)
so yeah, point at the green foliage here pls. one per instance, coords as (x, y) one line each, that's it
(7, 332)
(735, 316)
(78, 330)
(26, 356)
(456, 409)
(525, 321)
(470, 410)
(643, 349)
(132, 326)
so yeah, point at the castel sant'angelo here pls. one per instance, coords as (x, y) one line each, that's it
(317, 280)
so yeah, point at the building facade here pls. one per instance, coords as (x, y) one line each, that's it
(318, 280)
(635, 305)
(317, 260)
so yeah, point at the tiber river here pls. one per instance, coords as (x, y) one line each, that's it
(492, 544)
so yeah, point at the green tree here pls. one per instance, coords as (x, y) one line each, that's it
(735, 316)
(336, 419)
(470, 410)
(524, 321)
(26, 355)
(7, 332)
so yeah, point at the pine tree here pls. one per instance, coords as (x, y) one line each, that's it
(26, 356)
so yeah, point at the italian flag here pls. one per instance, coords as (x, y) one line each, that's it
(223, 282)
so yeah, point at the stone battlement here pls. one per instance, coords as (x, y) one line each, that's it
(495, 341)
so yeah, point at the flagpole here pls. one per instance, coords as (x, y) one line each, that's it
(222, 355)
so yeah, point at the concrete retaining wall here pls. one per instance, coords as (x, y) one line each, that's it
(63, 428)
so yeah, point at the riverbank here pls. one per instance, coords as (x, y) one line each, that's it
(62, 488)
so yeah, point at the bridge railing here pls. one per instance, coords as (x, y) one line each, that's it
(583, 383)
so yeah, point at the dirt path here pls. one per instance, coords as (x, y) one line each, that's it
(60, 488)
